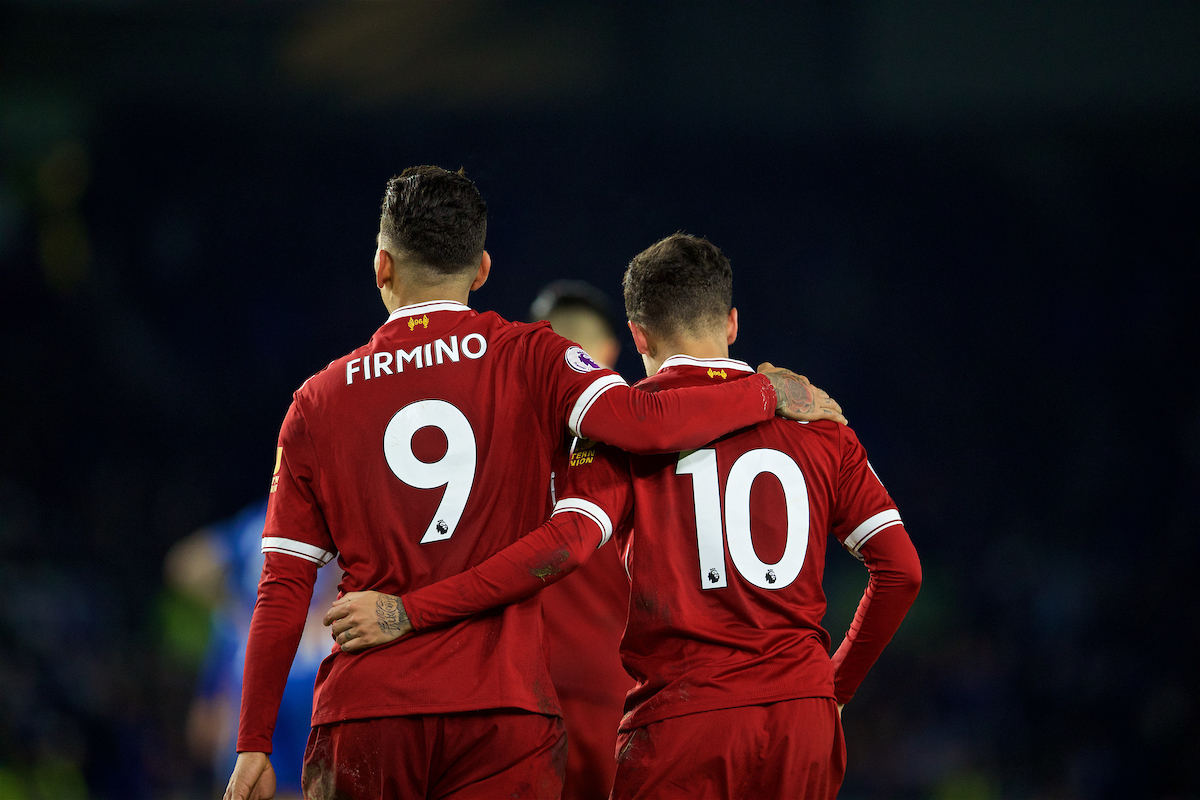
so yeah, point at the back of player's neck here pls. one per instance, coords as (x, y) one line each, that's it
(694, 348)
(411, 295)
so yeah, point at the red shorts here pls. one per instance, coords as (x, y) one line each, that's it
(789, 749)
(592, 732)
(486, 755)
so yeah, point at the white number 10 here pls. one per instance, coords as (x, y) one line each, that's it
(712, 531)
(455, 470)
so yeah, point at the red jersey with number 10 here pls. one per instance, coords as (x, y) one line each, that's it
(725, 550)
(378, 456)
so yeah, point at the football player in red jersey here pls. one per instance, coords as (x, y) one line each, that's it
(737, 695)
(585, 613)
(407, 459)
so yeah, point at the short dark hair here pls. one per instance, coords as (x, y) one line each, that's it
(434, 218)
(680, 284)
(572, 295)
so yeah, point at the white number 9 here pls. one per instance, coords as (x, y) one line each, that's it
(455, 470)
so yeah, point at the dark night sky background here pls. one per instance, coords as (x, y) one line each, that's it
(975, 224)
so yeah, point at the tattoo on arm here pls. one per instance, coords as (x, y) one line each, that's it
(390, 613)
(795, 394)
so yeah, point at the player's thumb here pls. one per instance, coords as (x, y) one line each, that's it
(239, 787)
(251, 781)
(264, 787)
(252, 787)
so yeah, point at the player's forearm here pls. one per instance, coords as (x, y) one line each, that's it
(542, 557)
(677, 419)
(284, 593)
(895, 579)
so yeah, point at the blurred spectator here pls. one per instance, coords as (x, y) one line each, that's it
(220, 566)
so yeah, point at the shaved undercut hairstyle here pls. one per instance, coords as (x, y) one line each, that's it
(679, 285)
(434, 218)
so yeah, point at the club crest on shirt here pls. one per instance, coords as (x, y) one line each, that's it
(275, 474)
(413, 322)
(713, 373)
(580, 361)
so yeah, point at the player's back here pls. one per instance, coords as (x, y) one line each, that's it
(726, 557)
(425, 452)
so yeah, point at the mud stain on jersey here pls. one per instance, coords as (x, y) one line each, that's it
(633, 747)
(546, 701)
(552, 565)
(318, 781)
(317, 777)
(552, 783)
(651, 606)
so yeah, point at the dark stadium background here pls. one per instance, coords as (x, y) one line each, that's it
(975, 224)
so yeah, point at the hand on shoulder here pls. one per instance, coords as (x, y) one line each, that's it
(797, 398)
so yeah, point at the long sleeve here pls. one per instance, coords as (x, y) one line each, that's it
(284, 593)
(542, 557)
(895, 579)
(677, 419)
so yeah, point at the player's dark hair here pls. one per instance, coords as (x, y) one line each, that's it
(572, 295)
(680, 284)
(434, 218)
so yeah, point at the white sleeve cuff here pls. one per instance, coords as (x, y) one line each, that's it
(589, 396)
(291, 547)
(873, 525)
(590, 510)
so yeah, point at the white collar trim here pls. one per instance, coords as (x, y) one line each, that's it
(425, 308)
(719, 363)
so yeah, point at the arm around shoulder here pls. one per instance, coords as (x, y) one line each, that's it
(676, 419)
(686, 418)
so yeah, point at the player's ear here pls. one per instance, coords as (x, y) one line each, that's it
(485, 269)
(640, 339)
(731, 327)
(384, 268)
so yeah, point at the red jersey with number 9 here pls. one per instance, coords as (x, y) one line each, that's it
(725, 550)
(379, 455)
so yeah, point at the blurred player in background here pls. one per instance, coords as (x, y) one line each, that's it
(219, 565)
(578, 311)
(585, 612)
(414, 458)
(737, 695)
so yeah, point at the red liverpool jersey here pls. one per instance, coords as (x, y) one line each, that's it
(725, 550)
(424, 454)
(412, 459)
